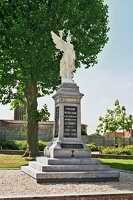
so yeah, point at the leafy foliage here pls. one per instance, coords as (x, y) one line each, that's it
(44, 114)
(95, 134)
(9, 145)
(27, 50)
(20, 144)
(93, 146)
(128, 150)
(115, 120)
(29, 66)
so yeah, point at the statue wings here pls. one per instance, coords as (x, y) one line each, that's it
(60, 44)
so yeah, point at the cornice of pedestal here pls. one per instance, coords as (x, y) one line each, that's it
(68, 90)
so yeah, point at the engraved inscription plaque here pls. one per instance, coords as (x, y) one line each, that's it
(72, 146)
(56, 122)
(70, 121)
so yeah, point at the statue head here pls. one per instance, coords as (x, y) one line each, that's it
(61, 33)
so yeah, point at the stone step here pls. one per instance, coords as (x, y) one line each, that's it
(55, 177)
(67, 168)
(67, 161)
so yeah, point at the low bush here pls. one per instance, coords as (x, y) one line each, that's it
(42, 144)
(128, 150)
(10, 144)
(20, 144)
(93, 146)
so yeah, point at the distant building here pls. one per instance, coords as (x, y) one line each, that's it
(127, 134)
(111, 135)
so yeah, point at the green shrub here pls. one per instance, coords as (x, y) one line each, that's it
(128, 150)
(10, 144)
(108, 150)
(20, 144)
(42, 145)
(93, 146)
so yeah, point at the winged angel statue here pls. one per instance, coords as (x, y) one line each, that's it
(67, 62)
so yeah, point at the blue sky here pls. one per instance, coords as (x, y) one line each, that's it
(111, 78)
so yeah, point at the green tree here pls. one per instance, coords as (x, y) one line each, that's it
(44, 114)
(125, 123)
(115, 120)
(29, 66)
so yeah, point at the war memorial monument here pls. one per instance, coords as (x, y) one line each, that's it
(67, 158)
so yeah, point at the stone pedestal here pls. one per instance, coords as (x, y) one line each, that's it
(67, 158)
(67, 141)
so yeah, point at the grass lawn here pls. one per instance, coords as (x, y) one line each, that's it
(13, 161)
(16, 161)
(118, 163)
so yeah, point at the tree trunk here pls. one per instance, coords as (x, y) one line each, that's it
(123, 139)
(32, 125)
(115, 140)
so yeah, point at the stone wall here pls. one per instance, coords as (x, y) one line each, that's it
(16, 126)
(104, 141)
(99, 141)
(10, 130)
(109, 196)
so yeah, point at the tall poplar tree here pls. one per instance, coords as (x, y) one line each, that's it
(29, 65)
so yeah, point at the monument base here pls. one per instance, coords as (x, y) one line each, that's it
(68, 170)
(67, 148)
(67, 158)
(66, 161)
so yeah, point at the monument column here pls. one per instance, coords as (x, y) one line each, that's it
(67, 142)
(67, 112)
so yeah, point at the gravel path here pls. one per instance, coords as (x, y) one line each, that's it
(15, 182)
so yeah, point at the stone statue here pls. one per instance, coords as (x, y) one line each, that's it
(67, 62)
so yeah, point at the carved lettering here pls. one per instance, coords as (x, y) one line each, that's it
(72, 146)
(70, 121)
(56, 122)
